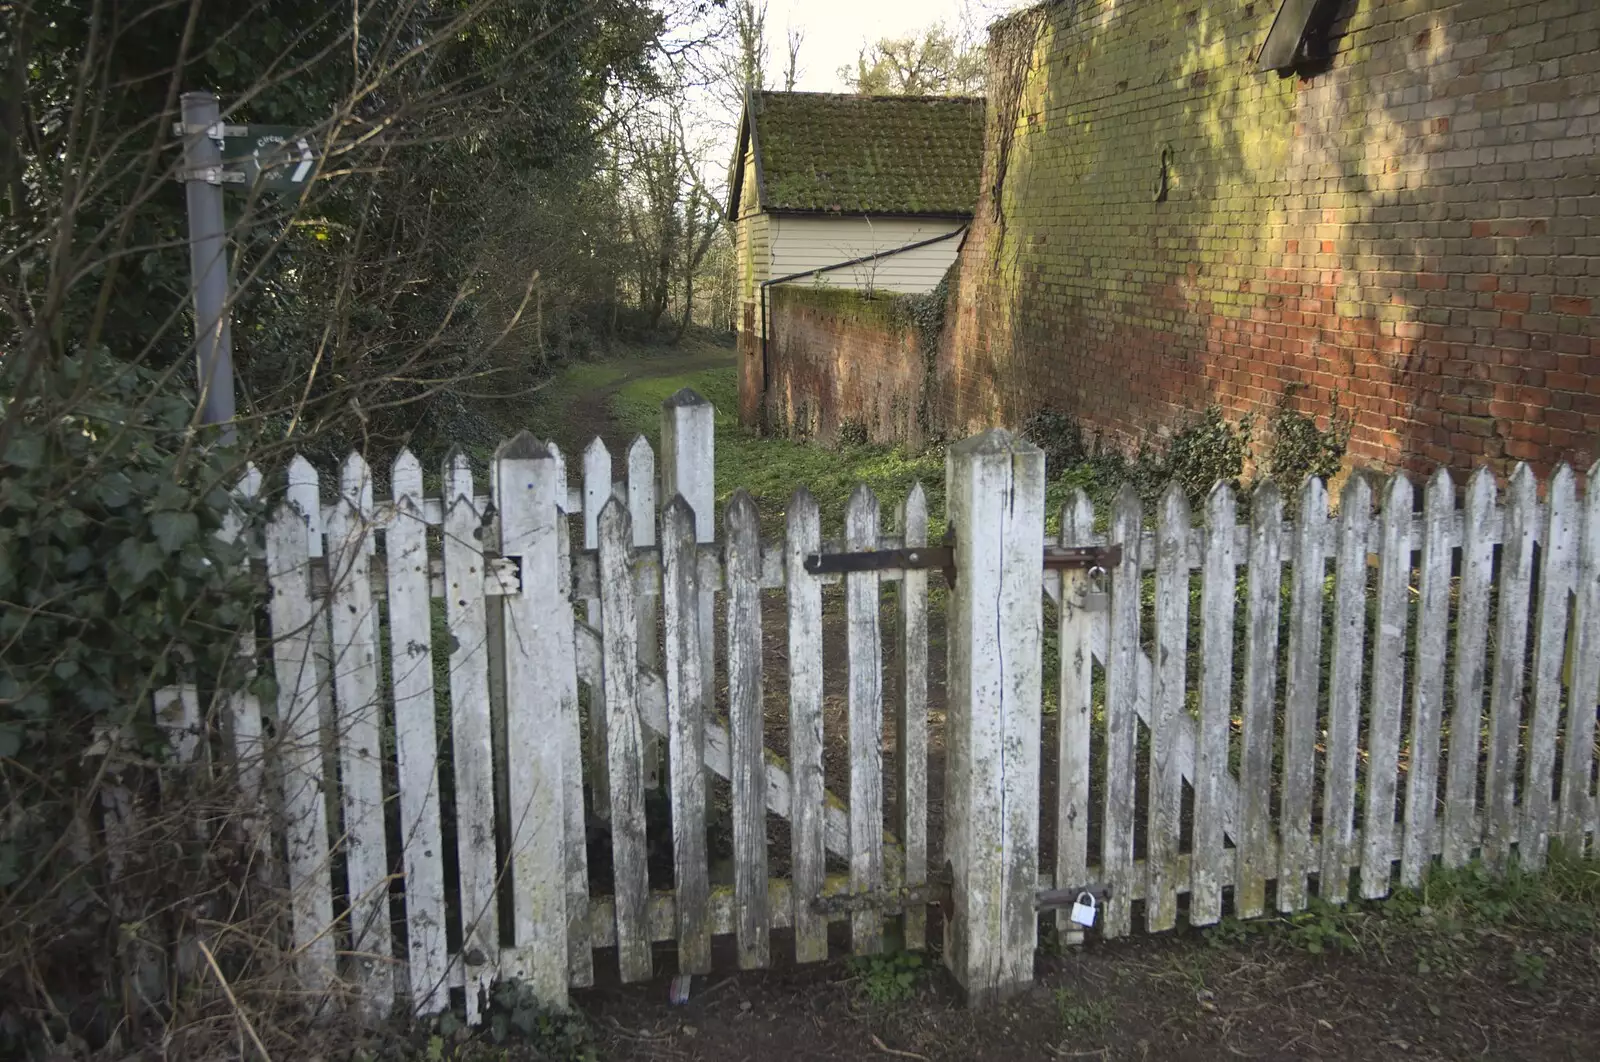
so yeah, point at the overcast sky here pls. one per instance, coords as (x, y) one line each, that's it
(836, 30)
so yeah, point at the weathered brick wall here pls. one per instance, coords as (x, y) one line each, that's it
(837, 358)
(1413, 232)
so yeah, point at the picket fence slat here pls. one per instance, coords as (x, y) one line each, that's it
(1300, 709)
(525, 479)
(624, 743)
(1577, 804)
(1073, 710)
(1122, 681)
(1217, 594)
(911, 734)
(1256, 848)
(300, 751)
(355, 684)
(471, 730)
(640, 486)
(688, 447)
(242, 706)
(1388, 684)
(416, 739)
(1462, 826)
(1344, 690)
(1427, 695)
(866, 721)
(597, 488)
(686, 737)
(1165, 800)
(580, 951)
(1511, 640)
(808, 847)
(1557, 577)
(748, 758)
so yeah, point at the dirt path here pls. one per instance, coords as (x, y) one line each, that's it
(590, 414)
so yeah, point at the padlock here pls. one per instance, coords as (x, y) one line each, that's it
(1095, 598)
(1083, 909)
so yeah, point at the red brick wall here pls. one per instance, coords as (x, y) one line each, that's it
(837, 358)
(1413, 232)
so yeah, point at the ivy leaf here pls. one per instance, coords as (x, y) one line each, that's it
(175, 530)
(25, 451)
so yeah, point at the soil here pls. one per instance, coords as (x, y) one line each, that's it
(1174, 997)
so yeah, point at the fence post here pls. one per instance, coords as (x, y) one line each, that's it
(996, 509)
(688, 468)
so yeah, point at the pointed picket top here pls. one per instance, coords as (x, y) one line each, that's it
(1441, 489)
(355, 482)
(992, 441)
(522, 446)
(614, 513)
(405, 476)
(741, 509)
(563, 503)
(1563, 479)
(1220, 501)
(355, 491)
(455, 474)
(1357, 494)
(245, 489)
(1265, 498)
(305, 492)
(863, 502)
(1077, 517)
(1174, 505)
(640, 453)
(1523, 483)
(916, 505)
(249, 484)
(1127, 499)
(678, 509)
(1400, 494)
(687, 396)
(595, 451)
(1314, 495)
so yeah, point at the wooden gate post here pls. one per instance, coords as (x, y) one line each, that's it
(688, 467)
(996, 510)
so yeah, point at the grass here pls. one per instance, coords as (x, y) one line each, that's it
(771, 469)
(1447, 920)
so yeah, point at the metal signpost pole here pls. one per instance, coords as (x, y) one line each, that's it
(208, 259)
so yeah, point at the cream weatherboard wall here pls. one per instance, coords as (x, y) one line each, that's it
(800, 243)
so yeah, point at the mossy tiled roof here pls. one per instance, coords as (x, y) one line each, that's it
(868, 154)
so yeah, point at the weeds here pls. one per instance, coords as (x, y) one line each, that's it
(886, 979)
(1081, 1015)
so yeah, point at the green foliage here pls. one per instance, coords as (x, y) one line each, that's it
(1298, 448)
(111, 569)
(886, 979)
(113, 582)
(1081, 1015)
(772, 468)
(515, 1014)
(1208, 450)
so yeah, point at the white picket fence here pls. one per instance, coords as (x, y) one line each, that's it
(1370, 762)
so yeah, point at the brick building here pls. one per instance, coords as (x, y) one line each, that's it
(1407, 225)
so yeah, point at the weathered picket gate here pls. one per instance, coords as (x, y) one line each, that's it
(1371, 761)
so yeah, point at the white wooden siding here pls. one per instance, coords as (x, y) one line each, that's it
(800, 243)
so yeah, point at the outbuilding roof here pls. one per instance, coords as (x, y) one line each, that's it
(819, 152)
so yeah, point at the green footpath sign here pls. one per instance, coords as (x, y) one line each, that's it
(274, 158)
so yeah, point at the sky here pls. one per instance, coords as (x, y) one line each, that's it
(836, 30)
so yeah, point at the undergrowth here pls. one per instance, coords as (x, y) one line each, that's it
(1446, 923)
